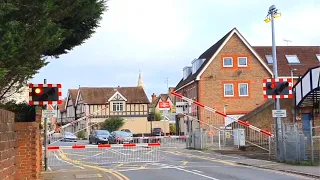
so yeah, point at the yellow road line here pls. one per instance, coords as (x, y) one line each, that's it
(150, 151)
(115, 173)
(119, 165)
(185, 163)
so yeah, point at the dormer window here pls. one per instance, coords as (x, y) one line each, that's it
(292, 59)
(196, 64)
(269, 59)
(227, 62)
(318, 56)
(186, 72)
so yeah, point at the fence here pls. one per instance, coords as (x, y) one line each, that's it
(297, 145)
(90, 155)
(212, 120)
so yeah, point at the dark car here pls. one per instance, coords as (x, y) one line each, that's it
(120, 137)
(157, 132)
(99, 136)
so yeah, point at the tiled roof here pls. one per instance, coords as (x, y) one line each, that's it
(206, 55)
(61, 107)
(74, 94)
(306, 55)
(100, 95)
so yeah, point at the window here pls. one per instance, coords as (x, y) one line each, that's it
(243, 89)
(318, 56)
(228, 90)
(118, 106)
(227, 62)
(269, 59)
(242, 61)
(292, 59)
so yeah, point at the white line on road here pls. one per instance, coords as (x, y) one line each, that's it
(116, 152)
(49, 168)
(197, 171)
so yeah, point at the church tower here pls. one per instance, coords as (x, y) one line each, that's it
(140, 83)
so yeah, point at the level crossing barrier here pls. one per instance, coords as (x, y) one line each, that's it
(102, 154)
(231, 126)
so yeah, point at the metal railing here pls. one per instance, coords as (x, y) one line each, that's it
(91, 155)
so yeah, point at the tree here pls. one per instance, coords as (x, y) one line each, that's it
(33, 30)
(173, 129)
(157, 116)
(113, 124)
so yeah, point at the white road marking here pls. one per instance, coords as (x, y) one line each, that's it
(68, 162)
(49, 168)
(197, 171)
(116, 152)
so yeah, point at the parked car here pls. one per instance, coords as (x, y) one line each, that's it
(120, 137)
(54, 137)
(99, 136)
(157, 132)
(126, 130)
(68, 136)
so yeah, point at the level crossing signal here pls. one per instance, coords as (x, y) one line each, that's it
(42, 94)
(275, 88)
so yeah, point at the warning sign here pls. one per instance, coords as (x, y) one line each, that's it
(228, 135)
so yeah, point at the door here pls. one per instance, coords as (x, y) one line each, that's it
(306, 118)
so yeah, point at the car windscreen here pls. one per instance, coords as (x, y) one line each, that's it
(157, 129)
(102, 133)
(122, 134)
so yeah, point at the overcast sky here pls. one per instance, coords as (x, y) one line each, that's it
(160, 37)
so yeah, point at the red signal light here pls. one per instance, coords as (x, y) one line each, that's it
(273, 85)
(37, 90)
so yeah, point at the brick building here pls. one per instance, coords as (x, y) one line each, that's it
(230, 73)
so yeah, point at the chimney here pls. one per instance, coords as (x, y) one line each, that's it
(154, 97)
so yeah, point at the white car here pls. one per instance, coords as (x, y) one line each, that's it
(68, 136)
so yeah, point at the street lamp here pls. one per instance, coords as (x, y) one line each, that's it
(272, 14)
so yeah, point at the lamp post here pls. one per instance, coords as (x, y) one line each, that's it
(293, 113)
(272, 14)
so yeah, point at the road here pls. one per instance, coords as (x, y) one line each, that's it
(173, 164)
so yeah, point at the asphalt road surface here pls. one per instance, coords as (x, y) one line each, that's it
(159, 164)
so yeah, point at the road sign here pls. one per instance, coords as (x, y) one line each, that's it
(279, 113)
(277, 88)
(49, 113)
(43, 94)
(164, 105)
(227, 135)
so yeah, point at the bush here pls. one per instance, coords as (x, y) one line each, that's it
(23, 111)
(81, 134)
(157, 116)
(113, 124)
(173, 129)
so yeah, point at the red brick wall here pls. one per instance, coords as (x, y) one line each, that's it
(7, 145)
(28, 151)
(212, 81)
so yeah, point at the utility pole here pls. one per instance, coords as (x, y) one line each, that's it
(45, 138)
(272, 11)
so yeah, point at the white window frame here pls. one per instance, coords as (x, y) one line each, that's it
(243, 65)
(240, 91)
(269, 56)
(293, 56)
(231, 62)
(116, 106)
(224, 90)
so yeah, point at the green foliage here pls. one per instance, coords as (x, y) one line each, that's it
(172, 128)
(32, 30)
(23, 111)
(113, 124)
(82, 134)
(157, 116)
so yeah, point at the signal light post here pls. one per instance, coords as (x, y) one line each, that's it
(45, 94)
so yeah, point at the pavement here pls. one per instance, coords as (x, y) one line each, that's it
(165, 163)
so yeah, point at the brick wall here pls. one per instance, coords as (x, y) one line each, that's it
(7, 145)
(212, 81)
(29, 150)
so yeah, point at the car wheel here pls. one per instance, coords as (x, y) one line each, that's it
(97, 142)
(90, 141)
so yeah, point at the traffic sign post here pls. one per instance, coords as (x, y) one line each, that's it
(279, 113)
(49, 113)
